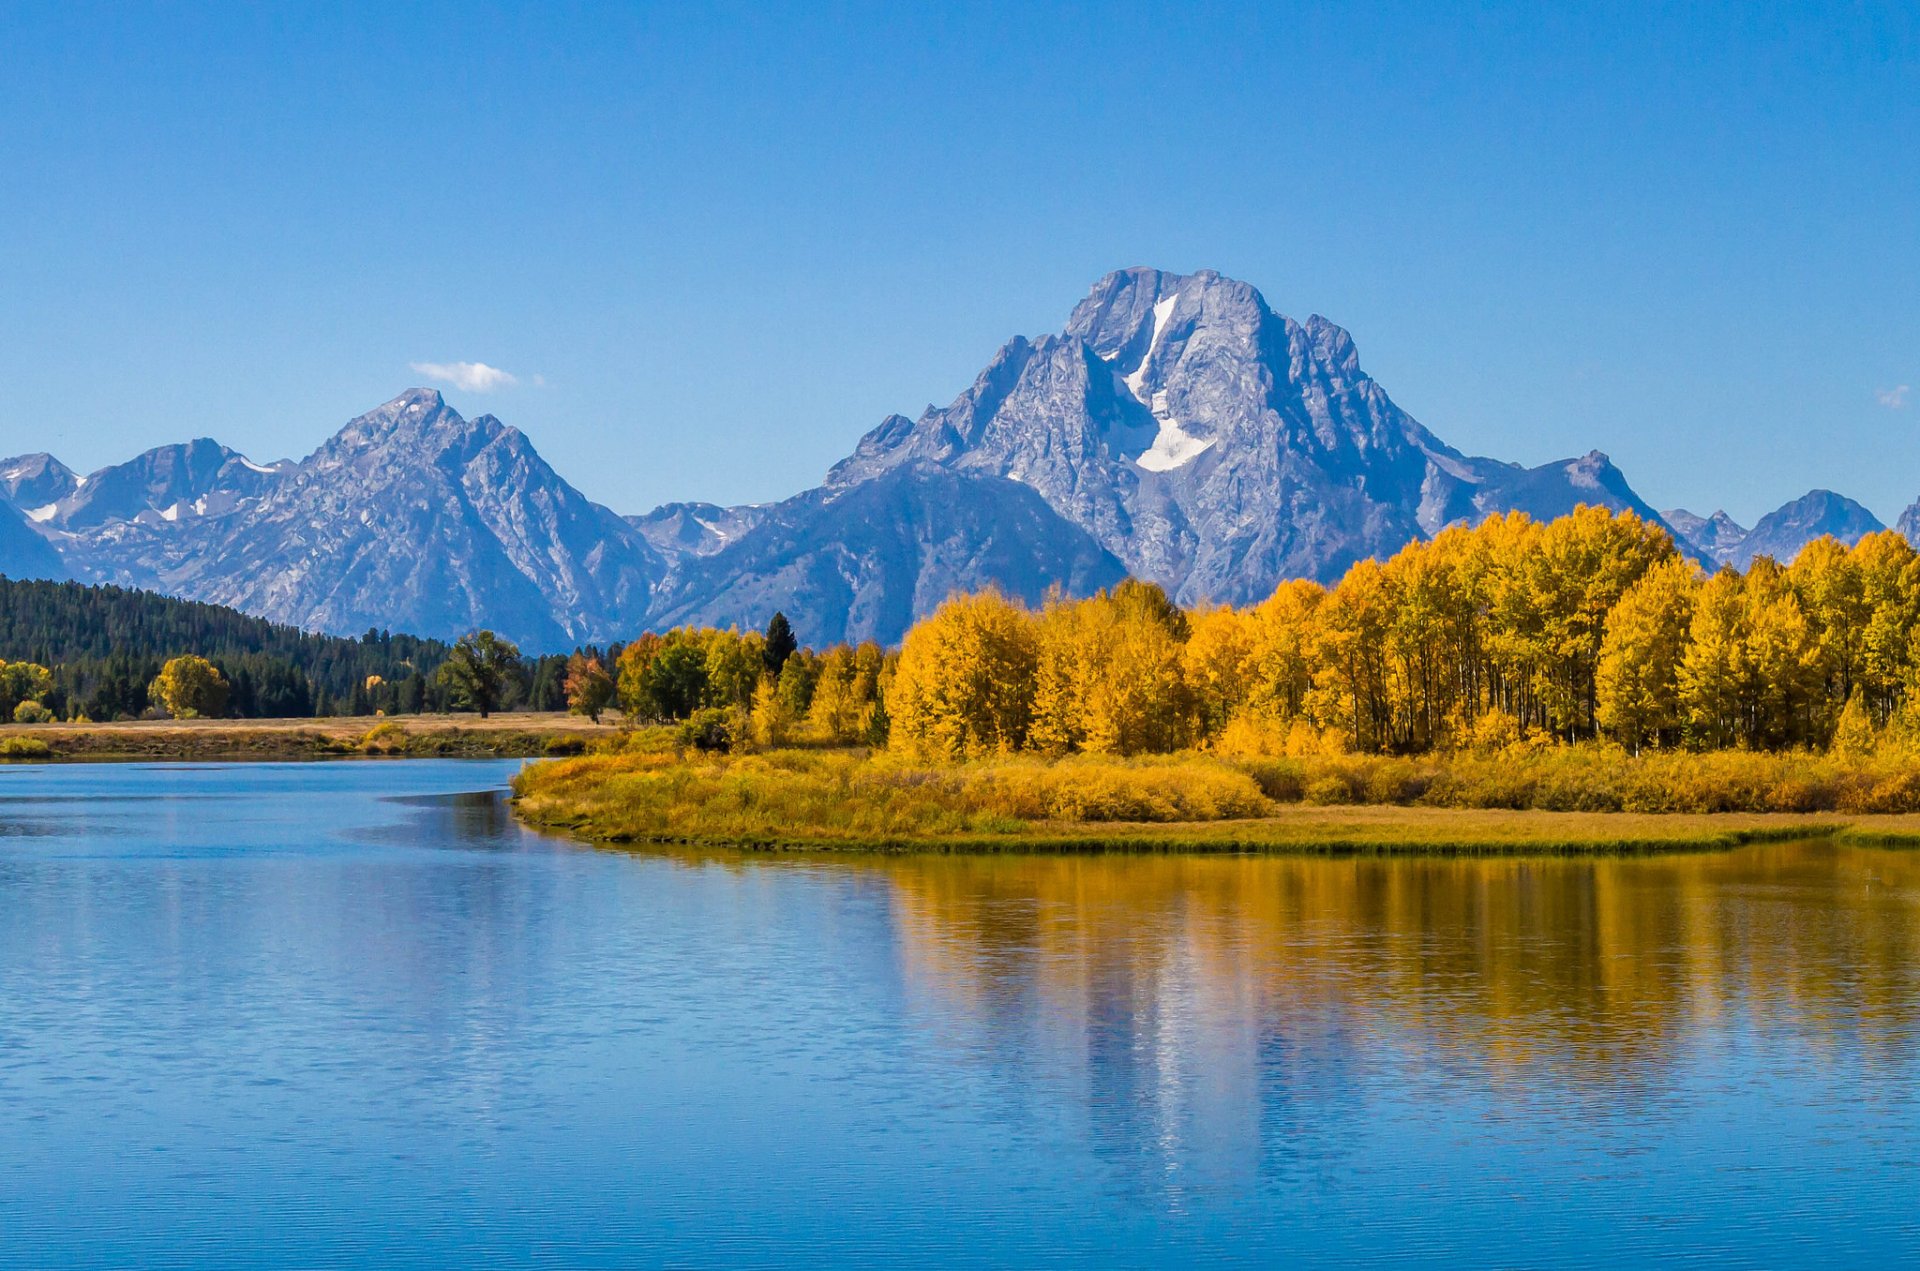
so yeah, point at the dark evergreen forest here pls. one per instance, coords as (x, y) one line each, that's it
(105, 645)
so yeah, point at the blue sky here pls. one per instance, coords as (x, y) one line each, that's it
(714, 244)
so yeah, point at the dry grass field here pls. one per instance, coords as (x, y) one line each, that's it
(506, 735)
(836, 800)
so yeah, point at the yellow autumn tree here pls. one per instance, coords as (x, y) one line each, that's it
(1136, 697)
(734, 664)
(1889, 570)
(770, 721)
(1638, 677)
(190, 687)
(1429, 641)
(1354, 688)
(1109, 677)
(1218, 664)
(964, 685)
(1784, 706)
(1853, 733)
(1285, 650)
(1714, 677)
(845, 694)
(1584, 564)
(1826, 579)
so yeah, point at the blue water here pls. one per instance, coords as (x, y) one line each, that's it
(350, 1014)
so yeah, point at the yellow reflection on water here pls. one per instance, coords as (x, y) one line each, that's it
(1215, 1017)
(1587, 965)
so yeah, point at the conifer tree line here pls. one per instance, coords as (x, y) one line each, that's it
(71, 651)
(1591, 626)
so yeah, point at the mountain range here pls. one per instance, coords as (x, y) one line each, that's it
(1177, 429)
(1782, 532)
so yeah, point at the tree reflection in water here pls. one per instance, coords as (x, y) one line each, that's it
(1177, 993)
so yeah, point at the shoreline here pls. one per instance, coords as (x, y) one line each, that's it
(515, 735)
(1352, 832)
(1289, 828)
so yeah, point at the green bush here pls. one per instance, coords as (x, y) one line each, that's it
(709, 730)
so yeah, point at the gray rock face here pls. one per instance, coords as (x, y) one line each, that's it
(410, 517)
(1214, 446)
(1908, 525)
(414, 517)
(1782, 532)
(863, 561)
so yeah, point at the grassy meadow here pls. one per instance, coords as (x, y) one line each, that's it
(1558, 799)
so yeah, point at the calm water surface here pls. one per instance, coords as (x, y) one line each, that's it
(350, 1014)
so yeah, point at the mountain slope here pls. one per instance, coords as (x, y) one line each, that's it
(682, 530)
(864, 562)
(412, 515)
(1908, 523)
(24, 553)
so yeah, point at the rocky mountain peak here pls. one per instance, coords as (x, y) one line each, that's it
(412, 414)
(1215, 446)
(190, 479)
(394, 437)
(1713, 538)
(36, 480)
(1782, 532)
(1140, 320)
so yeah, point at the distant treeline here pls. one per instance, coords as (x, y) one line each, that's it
(104, 646)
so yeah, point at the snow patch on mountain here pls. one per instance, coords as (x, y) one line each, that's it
(1172, 447)
(1136, 381)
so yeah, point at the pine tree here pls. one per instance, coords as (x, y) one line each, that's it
(780, 643)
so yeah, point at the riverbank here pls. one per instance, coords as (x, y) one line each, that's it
(849, 801)
(513, 735)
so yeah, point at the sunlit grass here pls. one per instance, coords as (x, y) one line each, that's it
(1570, 799)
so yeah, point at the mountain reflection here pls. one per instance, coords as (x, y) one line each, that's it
(1176, 993)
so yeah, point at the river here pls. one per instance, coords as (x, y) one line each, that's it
(352, 1014)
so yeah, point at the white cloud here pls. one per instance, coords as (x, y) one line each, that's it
(468, 377)
(1893, 398)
